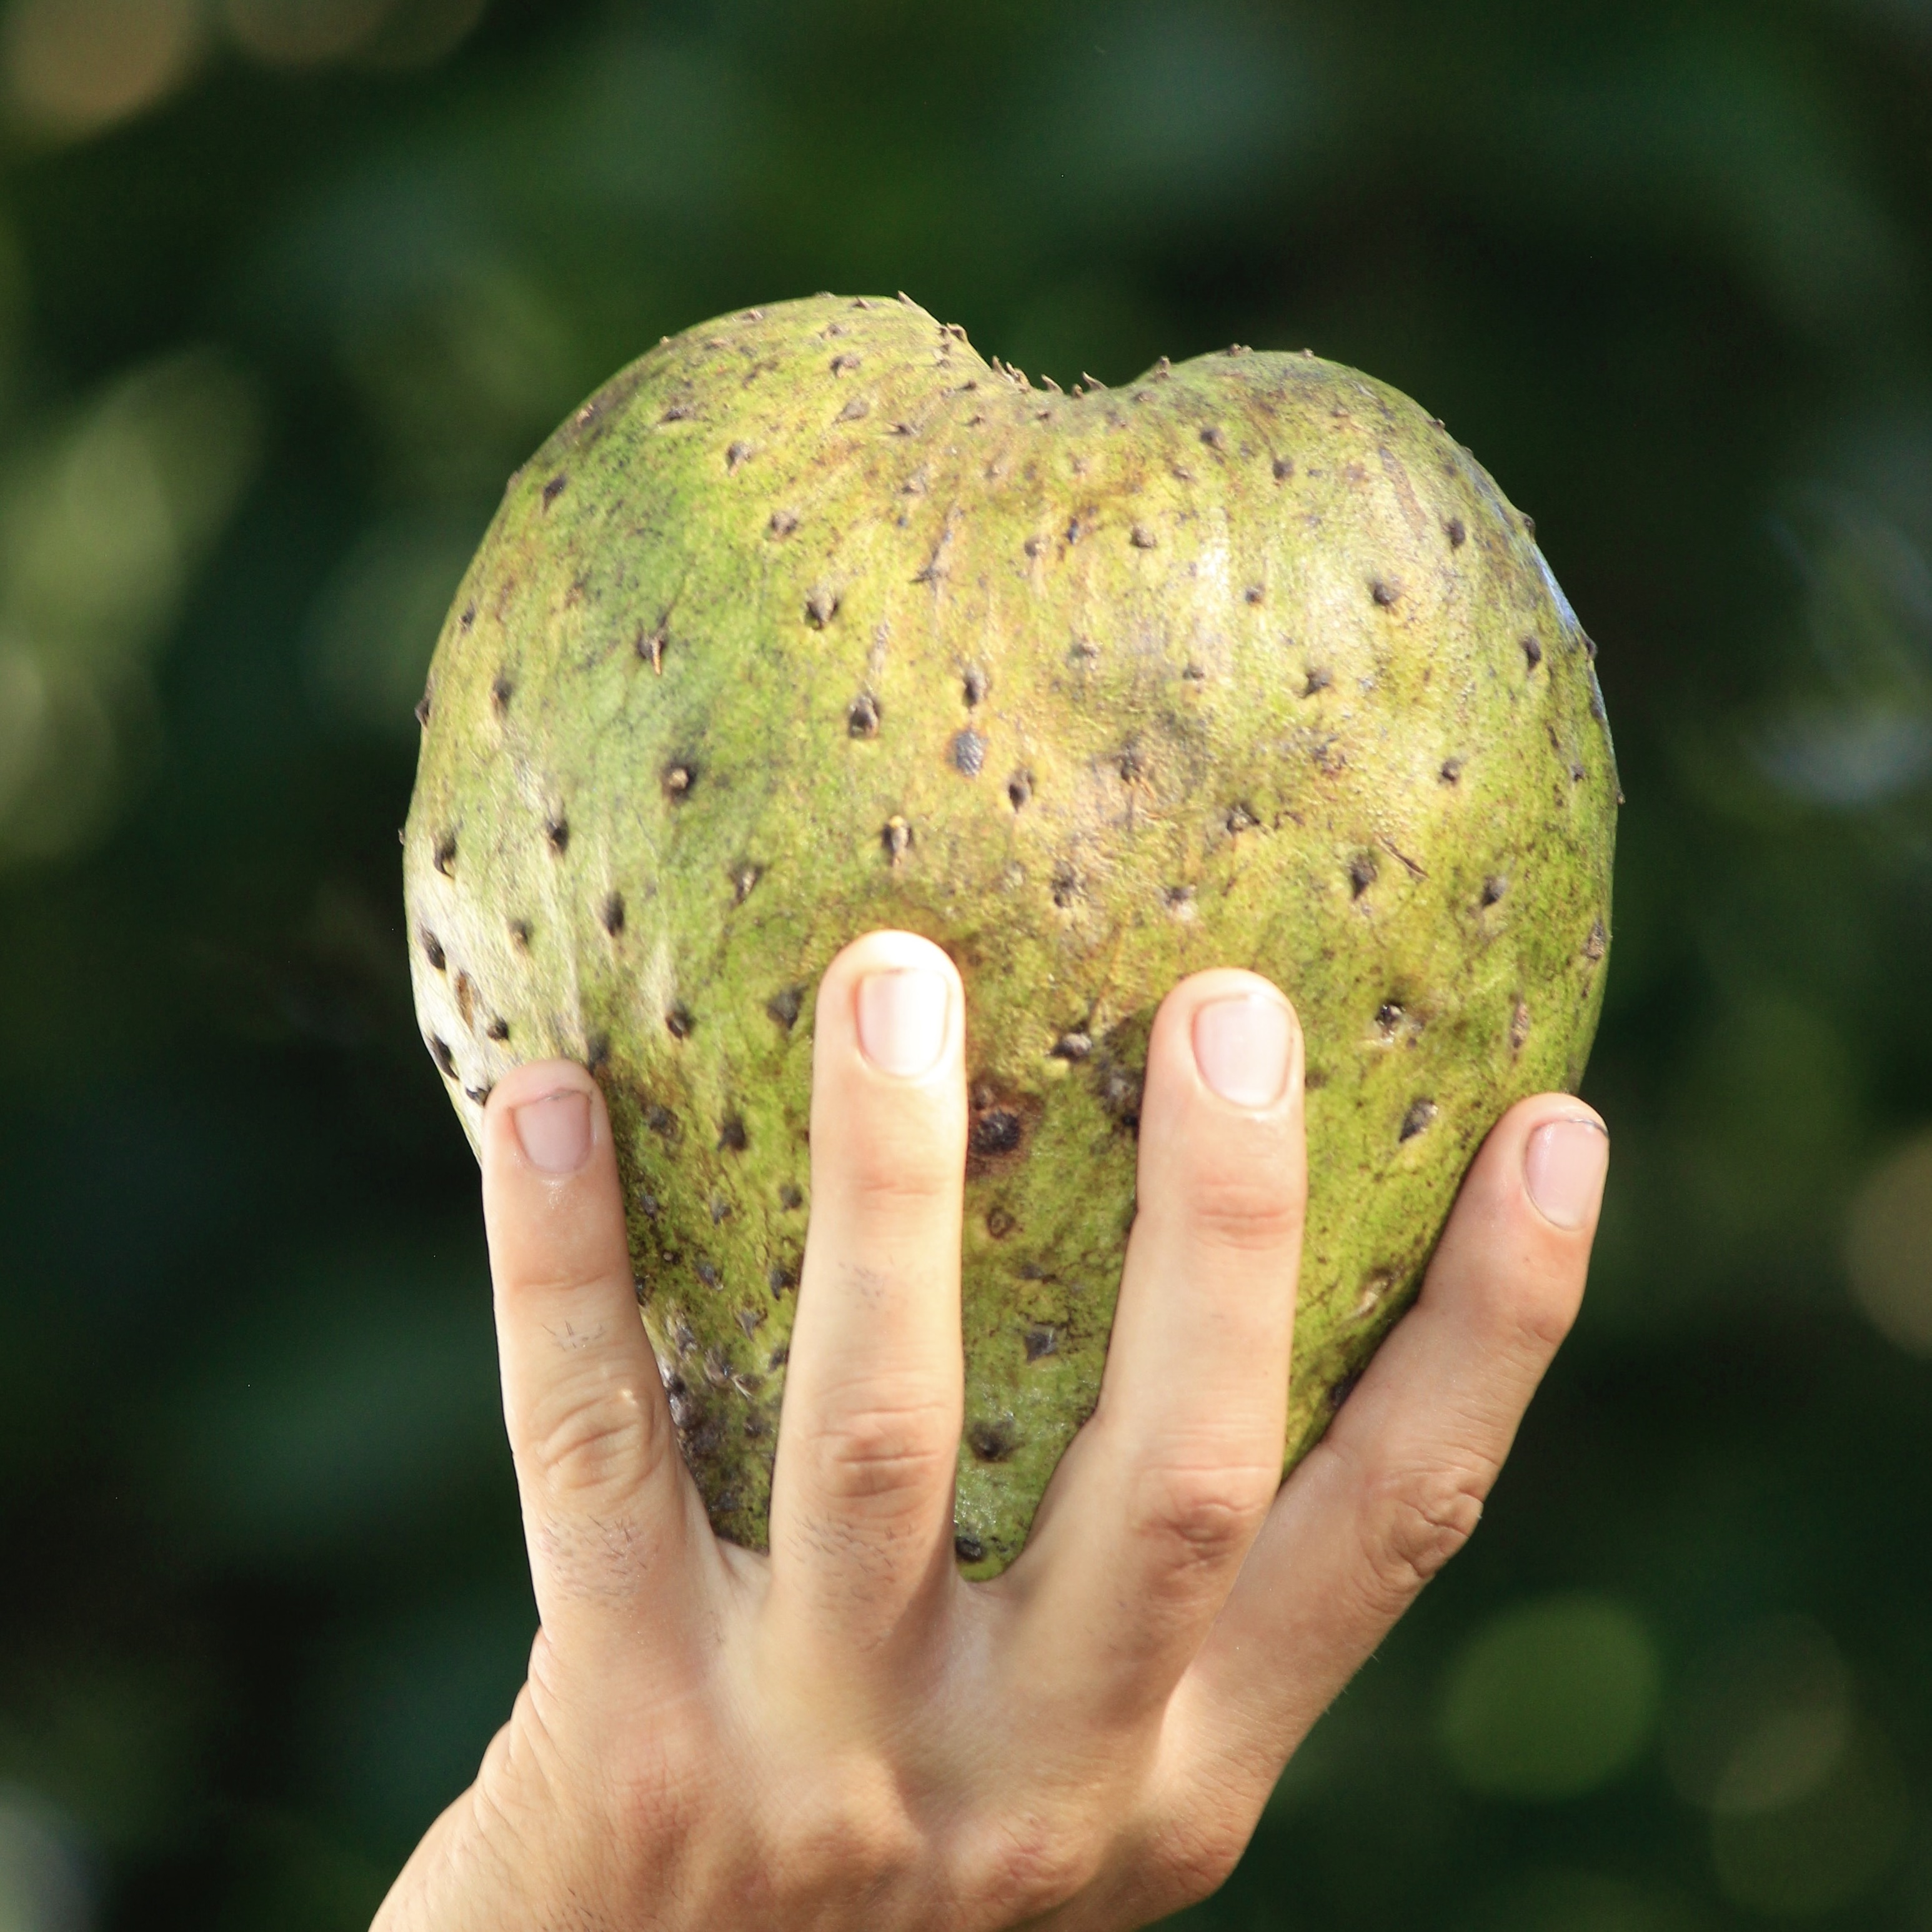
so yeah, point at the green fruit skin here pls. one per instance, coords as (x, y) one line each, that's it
(1258, 669)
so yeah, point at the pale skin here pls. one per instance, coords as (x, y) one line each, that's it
(844, 1735)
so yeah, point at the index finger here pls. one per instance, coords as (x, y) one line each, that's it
(611, 1517)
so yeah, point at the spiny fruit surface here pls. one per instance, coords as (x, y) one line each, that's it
(813, 621)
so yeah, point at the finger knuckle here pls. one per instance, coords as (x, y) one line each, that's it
(595, 1439)
(879, 1454)
(890, 1165)
(1247, 1209)
(1199, 1515)
(1197, 1856)
(1187, 1849)
(846, 1832)
(1020, 1866)
(1414, 1522)
(1536, 1311)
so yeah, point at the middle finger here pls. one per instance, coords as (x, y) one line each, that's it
(862, 1495)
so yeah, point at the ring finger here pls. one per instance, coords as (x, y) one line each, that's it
(1154, 1507)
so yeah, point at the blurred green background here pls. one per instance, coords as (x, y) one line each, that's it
(287, 287)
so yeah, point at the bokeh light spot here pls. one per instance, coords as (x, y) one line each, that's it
(382, 33)
(375, 623)
(1888, 1246)
(1762, 1722)
(44, 1884)
(103, 521)
(71, 67)
(1824, 1851)
(303, 33)
(1550, 1699)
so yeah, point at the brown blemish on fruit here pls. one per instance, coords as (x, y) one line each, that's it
(1000, 1121)
(677, 781)
(678, 1022)
(610, 914)
(553, 489)
(1532, 651)
(861, 717)
(1362, 869)
(784, 1006)
(969, 753)
(432, 949)
(821, 607)
(896, 837)
(444, 857)
(1420, 1113)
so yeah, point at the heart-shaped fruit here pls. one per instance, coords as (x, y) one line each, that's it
(813, 621)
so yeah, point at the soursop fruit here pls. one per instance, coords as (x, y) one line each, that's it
(814, 621)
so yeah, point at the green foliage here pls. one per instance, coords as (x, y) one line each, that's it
(286, 291)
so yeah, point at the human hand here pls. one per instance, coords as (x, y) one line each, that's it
(844, 1734)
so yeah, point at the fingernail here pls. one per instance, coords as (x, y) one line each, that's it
(1241, 1047)
(555, 1131)
(902, 1020)
(1563, 1167)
